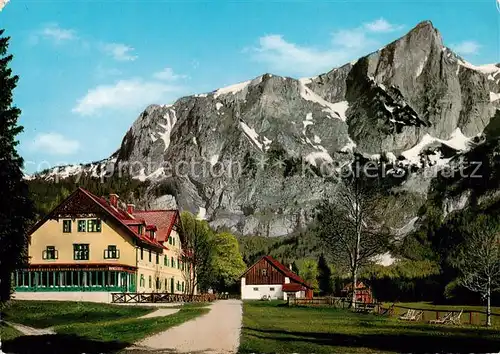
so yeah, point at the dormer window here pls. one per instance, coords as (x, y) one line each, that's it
(140, 229)
(152, 234)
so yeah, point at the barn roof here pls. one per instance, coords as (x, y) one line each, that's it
(282, 269)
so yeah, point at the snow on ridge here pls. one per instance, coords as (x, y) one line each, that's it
(317, 139)
(494, 96)
(485, 69)
(306, 123)
(336, 109)
(309, 116)
(389, 108)
(171, 119)
(457, 141)
(153, 137)
(251, 134)
(232, 89)
(218, 105)
(267, 143)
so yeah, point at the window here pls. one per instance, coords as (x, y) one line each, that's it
(158, 284)
(150, 281)
(264, 272)
(142, 253)
(111, 252)
(50, 253)
(255, 289)
(80, 251)
(271, 289)
(139, 229)
(94, 225)
(157, 258)
(178, 264)
(173, 240)
(173, 262)
(165, 261)
(170, 240)
(82, 225)
(178, 285)
(182, 287)
(66, 226)
(142, 281)
(150, 255)
(166, 284)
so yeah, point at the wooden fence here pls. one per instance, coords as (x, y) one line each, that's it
(160, 297)
(473, 317)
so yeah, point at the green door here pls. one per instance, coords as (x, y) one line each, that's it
(172, 285)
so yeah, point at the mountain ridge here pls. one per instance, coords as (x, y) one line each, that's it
(413, 103)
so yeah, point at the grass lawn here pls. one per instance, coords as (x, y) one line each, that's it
(7, 332)
(100, 328)
(43, 314)
(272, 327)
(431, 314)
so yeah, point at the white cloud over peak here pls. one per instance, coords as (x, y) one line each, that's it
(119, 51)
(125, 94)
(55, 144)
(168, 74)
(57, 34)
(287, 57)
(382, 25)
(467, 47)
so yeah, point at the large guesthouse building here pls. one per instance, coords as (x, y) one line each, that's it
(89, 244)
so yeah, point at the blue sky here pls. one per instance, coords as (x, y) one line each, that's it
(88, 68)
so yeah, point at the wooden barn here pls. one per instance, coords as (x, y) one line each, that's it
(269, 279)
(363, 293)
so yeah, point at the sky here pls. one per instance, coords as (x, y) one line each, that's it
(88, 68)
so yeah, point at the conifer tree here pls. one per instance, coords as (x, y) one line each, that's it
(325, 283)
(16, 209)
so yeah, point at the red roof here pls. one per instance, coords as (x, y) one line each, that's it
(283, 269)
(293, 287)
(124, 218)
(164, 220)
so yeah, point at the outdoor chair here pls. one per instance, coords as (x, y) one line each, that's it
(389, 311)
(406, 316)
(417, 316)
(455, 318)
(442, 320)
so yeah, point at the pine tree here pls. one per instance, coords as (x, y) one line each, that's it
(324, 277)
(16, 209)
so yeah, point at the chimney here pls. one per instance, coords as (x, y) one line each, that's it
(130, 209)
(290, 266)
(113, 200)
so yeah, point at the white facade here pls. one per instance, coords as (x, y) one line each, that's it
(257, 292)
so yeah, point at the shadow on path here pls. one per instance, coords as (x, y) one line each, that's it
(409, 343)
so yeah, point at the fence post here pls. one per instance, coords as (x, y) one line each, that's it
(437, 315)
(470, 317)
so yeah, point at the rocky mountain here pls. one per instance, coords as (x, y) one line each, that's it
(258, 156)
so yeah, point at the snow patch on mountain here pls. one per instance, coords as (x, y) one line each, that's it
(334, 109)
(494, 96)
(251, 134)
(171, 119)
(218, 105)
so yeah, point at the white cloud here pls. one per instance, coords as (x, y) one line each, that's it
(124, 94)
(346, 44)
(286, 56)
(467, 47)
(382, 25)
(119, 51)
(57, 34)
(168, 74)
(352, 38)
(55, 144)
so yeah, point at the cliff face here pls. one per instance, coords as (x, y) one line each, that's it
(251, 157)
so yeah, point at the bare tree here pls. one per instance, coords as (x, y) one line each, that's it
(478, 260)
(350, 228)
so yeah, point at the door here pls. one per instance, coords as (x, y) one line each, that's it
(172, 285)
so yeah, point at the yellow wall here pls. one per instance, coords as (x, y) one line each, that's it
(51, 234)
(147, 269)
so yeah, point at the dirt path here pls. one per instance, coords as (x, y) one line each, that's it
(30, 331)
(160, 313)
(217, 332)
